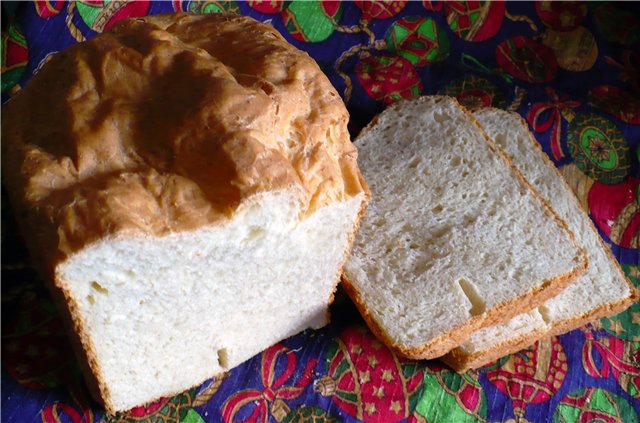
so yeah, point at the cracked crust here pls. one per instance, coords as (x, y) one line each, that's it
(245, 99)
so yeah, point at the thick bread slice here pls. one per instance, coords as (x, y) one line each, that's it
(188, 184)
(602, 291)
(454, 238)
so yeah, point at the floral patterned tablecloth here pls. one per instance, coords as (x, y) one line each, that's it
(572, 70)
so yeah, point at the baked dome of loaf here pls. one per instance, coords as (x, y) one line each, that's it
(157, 126)
(188, 185)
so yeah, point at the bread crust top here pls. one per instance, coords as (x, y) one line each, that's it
(169, 123)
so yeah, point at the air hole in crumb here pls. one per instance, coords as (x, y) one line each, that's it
(91, 298)
(413, 246)
(255, 233)
(455, 161)
(421, 268)
(500, 139)
(469, 220)
(477, 304)
(440, 232)
(437, 209)
(223, 358)
(544, 312)
(440, 117)
(101, 289)
(414, 162)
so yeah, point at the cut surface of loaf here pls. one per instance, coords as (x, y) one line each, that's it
(602, 290)
(188, 184)
(453, 238)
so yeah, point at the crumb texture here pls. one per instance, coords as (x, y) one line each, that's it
(599, 289)
(451, 232)
(164, 314)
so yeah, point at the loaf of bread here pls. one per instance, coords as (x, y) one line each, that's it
(454, 238)
(188, 185)
(603, 290)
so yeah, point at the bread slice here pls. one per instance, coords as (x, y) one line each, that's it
(602, 290)
(454, 238)
(188, 184)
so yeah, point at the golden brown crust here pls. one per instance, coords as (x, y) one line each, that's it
(444, 343)
(447, 342)
(164, 124)
(81, 342)
(461, 361)
(160, 127)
